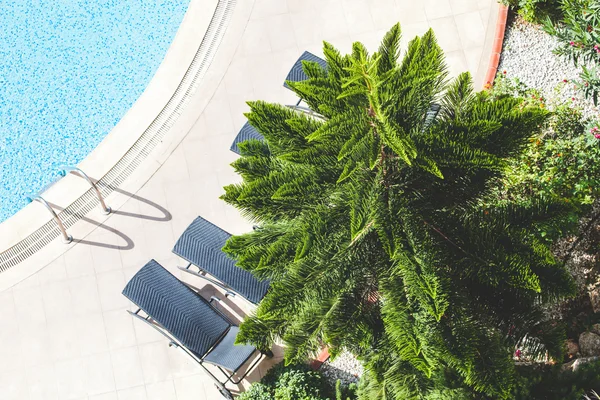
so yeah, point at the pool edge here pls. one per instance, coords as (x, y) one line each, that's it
(27, 249)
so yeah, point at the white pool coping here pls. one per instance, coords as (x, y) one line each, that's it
(161, 88)
(126, 132)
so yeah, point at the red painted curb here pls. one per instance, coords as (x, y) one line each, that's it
(497, 45)
(321, 358)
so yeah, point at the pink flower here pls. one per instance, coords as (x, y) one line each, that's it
(565, 80)
(597, 135)
(572, 43)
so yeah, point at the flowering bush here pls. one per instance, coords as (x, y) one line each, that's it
(513, 87)
(579, 34)
(563, 162)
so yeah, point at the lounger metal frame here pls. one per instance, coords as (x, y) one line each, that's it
(173, 342)
(229, 292)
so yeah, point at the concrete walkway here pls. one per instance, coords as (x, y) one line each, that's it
(64, 331)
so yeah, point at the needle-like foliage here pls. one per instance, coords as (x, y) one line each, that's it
(377, 231)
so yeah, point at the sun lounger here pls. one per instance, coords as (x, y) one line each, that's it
(189, 321)
(200, 245)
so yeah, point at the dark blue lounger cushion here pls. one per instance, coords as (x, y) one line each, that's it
(180, 310)
(201, 245)
(229, 355)
(246, 133)
(297, 73)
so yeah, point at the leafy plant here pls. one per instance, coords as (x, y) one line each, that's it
(545, 382)
(345, 392)
(535, 10)
(579, 35)
(297, 385)
(258, 391)
(561, 162)
(295, 382)
(514, 87)
(375, 228)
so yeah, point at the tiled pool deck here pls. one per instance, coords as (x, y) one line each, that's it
(64, 332)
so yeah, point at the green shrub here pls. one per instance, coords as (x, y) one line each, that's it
(561, 162)
(257, 391)
(299, 385)
(295, 382)
(535, 10)
(345, 392)
(512, 87)
(579, 35)
(551, 383)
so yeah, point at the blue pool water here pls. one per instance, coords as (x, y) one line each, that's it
(69, 71)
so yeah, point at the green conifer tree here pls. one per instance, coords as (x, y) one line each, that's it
(377, 231)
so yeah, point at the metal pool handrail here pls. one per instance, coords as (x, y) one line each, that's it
(66, 237)
(139, 151)
(67, 168)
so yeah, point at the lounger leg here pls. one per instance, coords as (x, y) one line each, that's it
(220, 385)
(224, 391)
(268, 353)
(248, 370)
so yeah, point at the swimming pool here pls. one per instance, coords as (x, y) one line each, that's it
(69, 71)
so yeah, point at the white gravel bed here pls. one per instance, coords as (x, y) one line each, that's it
(345, 367)
(527, 55)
